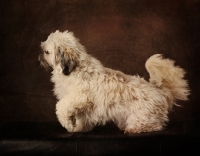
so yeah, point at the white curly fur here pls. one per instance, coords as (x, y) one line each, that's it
(90, 94)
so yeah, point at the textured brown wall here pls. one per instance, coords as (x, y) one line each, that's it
(122, 34)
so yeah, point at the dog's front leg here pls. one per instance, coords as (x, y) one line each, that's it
(68, 112)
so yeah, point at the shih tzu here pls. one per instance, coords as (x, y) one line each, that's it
(90, 94)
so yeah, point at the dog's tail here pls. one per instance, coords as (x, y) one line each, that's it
(165, 75)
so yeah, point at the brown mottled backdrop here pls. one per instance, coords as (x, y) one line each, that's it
(122, 34)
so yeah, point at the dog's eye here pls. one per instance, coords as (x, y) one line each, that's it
(46, 52)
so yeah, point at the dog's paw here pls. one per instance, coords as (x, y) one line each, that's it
(72, 124)
(72, 120)
(69, 123)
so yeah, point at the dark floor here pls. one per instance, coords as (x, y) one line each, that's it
(180, 138)
(121, 34)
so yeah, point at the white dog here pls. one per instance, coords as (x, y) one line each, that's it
(90, 94)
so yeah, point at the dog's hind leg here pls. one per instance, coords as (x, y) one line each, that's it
(138, 125)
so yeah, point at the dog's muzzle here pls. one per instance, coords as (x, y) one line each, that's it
(44, 63)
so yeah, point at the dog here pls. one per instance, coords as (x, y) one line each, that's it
(90, 94)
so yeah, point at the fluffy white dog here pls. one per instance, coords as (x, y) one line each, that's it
(90, 94)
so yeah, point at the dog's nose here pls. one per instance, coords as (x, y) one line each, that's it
(44, 63)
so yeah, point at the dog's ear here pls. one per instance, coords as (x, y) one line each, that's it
(68, 60)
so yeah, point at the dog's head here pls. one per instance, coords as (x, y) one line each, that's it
(60, 52)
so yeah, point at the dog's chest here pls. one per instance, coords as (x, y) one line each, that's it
(62, 85)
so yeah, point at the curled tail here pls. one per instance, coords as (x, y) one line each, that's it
(168, 77)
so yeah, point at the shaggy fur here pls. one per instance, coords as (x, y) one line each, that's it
(90, 94)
